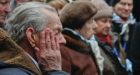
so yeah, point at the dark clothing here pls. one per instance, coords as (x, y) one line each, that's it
(7, 69)
(77, 56)
(135, 50)
(136, 10)
(112, 2)
(112, 65)
(123, 33)
(117, 28)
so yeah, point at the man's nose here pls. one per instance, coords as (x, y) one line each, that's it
(62, 39)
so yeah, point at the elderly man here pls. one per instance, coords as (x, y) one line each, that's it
(4, 10)
(36, 27)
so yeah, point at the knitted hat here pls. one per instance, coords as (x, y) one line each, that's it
(103, 9)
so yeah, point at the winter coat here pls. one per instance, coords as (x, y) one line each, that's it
(122, 32)
(116, 29)
(77, 58)
(112, 65)
(135, 50)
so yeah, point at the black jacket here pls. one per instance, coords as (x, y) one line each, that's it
(135, 50)
(117, 27)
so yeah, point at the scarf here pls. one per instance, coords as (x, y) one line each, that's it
(94, 47)
(107, 39)
(125, 35)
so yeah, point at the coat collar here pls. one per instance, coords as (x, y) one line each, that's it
(11, 53)
(75, 41)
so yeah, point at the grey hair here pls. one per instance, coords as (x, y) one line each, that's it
(27, 15)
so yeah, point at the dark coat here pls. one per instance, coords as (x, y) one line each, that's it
(112, 65)
(77, 56)
(117, 27)
(135, 50)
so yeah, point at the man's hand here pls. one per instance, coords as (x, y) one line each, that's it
(48, 53)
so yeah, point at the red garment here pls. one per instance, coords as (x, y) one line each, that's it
(107, 39)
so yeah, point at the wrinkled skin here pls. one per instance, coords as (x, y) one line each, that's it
(4, 10)
(48, 42)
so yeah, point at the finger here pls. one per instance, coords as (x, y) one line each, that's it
(53, 43)
(57, 43)
(47, 39)
(41, 40)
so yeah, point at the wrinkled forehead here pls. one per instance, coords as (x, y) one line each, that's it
(53, 19)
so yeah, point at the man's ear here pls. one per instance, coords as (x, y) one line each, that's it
(31, 36)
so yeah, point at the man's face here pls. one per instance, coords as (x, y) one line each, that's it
(124, 8)
(4, 10)
(54, 24)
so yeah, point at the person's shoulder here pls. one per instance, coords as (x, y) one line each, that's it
(7, 69)
(56, 72)
(13, 71)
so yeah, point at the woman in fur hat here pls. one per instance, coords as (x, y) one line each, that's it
(77, 55)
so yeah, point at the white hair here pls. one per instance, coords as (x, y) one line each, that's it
(27, 15)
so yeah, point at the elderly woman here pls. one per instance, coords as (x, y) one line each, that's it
(103, 19)
(79, 26)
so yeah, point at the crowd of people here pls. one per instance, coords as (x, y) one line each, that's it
(68, 37)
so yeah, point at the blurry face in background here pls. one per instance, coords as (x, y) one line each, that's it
(88, 28)
(4, 10)
(21, 1)
(123, 8)
(104, 26)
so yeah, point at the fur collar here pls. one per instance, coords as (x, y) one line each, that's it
(11, 53)
(75, 42)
